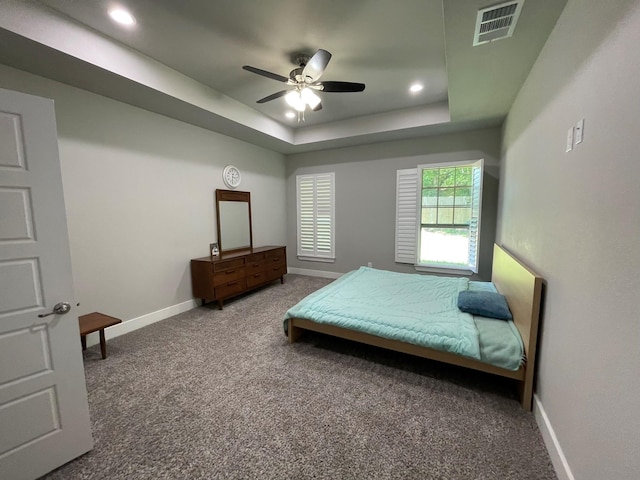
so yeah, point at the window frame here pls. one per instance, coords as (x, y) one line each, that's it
(471, 267)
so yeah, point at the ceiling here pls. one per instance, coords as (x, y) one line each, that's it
(184, 60)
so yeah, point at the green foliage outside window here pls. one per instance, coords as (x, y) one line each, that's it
(449, 215)
(447, 196)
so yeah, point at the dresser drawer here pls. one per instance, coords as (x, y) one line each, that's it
(257, 257)
(276, 256)
(276, 271)
(226, 276)
(276, 264)
(256, 278)
(231, 288)
(228, 264)
(254, 266)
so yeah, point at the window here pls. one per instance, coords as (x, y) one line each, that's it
(316, 216)
(438, 215)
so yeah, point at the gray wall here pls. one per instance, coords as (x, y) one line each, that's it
(139, 192)
(575, 218)
(366, 189)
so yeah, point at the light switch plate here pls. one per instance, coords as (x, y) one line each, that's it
(579, 131)
(569, 140)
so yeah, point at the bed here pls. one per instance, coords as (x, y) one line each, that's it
(456, 338)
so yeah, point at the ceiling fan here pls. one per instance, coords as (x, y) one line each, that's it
(304, 80)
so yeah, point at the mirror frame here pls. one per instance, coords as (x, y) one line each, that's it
(232, 196)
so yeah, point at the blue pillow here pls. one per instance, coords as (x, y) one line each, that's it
(485, 304)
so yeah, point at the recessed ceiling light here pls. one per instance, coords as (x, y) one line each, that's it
(416, 87)
(290, 115)
(121, 16)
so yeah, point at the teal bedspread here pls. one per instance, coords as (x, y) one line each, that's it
(417, 309)
(500, 342)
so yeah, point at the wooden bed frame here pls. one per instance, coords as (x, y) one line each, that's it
(523, 290)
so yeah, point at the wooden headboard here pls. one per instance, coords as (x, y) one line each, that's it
(523, 290)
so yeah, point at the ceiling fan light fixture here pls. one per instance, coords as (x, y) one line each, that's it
(309, 97)
(294, 99)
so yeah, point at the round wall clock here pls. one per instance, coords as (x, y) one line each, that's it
(231, 176)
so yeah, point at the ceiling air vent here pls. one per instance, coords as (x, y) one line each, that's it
(497, 22)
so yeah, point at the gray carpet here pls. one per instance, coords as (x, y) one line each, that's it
(221, 394)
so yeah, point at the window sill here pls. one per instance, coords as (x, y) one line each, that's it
(316, 259)
(450, 271)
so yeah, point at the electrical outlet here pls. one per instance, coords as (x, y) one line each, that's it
(569, 140)
(579, 131)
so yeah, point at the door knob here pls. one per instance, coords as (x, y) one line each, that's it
(58, 309)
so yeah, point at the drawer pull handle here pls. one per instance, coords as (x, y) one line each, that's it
(229, 272)
(276, 259)
(257, 275)
(231, 284)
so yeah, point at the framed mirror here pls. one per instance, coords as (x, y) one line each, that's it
(233, 219)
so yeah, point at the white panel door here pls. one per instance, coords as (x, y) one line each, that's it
(44, 416)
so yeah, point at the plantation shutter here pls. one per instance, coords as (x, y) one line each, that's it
(474, 224)
(316, 215)
(406, 215)
(324, 215)
(306, 215)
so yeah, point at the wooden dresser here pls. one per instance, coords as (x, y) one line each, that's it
(229, 274)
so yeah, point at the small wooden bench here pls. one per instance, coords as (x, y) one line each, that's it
(93, 322)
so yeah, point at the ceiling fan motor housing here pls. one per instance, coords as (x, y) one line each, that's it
(296, 74)
(301, 59)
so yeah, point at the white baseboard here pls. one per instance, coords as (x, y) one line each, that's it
(558, 459)
(139, 322)
(314, 273)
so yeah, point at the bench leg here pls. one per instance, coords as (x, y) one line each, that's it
(103, 344)
(83, 341)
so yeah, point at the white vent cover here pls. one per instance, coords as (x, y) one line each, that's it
(497, 22)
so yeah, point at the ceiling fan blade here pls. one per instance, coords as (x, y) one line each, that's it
(342, 87)
(273, 96)
(264, 73)
(318, 107)
(315, 66)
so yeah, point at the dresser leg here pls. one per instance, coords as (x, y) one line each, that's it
(281, 280)
(103, 344)
(220, 304)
